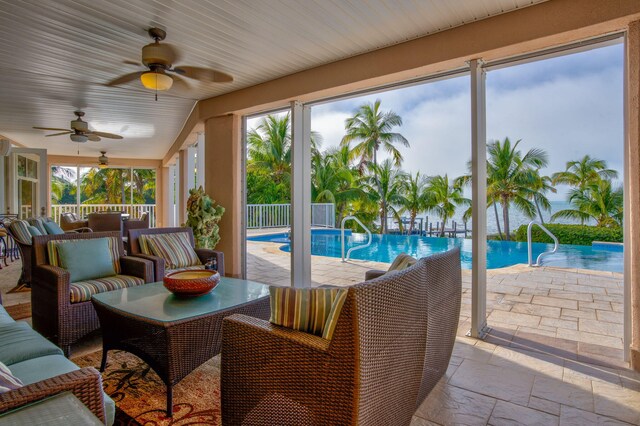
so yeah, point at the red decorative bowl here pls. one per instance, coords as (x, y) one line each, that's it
(191, 283)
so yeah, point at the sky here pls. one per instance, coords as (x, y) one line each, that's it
(569, 106)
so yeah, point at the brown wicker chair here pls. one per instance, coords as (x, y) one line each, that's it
(106, 221)
(53, 314)
(25, 248)
(392, 344)
(158, 263)
(71, 222)
(141, 223)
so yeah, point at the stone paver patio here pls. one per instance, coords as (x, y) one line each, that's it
(553, 356)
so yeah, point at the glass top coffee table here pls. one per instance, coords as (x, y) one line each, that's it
(174, 335)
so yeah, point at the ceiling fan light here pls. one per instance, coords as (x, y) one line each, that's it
(78, 138)
(103, 160)
(156, 81)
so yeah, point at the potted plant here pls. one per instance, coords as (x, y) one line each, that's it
(203, 216)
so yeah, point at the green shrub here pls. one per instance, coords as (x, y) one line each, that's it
(570, 234)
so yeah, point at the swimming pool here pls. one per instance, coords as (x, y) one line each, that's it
(384, 248)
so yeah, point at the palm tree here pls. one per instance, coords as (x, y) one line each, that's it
(442, 198)
(511, 177)
(388, 180)
(584, 172)
(106, 186)
(541, 185)
(598, 201)
(270, 147)
(371, 129)
(333, 181)
(413, 199)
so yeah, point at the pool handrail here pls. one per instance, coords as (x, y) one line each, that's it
(529, 246)
(342, 242)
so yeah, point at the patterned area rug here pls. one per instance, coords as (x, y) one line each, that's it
(140, 394)
(19, 311)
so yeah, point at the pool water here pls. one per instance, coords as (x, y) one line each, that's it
(384, 248)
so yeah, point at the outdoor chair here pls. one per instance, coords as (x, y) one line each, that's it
(159, 266)
(71, 222)
(19, 231)
(141, 223)
(62, 310)
(105, 221)
(392, 343)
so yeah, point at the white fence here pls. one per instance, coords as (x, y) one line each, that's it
(277, 215)
(134, 210)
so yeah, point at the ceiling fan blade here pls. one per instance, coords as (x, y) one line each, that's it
(204, 74)
(58, 134)
(52, 129)
(93, 137)
(180, 82)
(125, 78)
(132, 63)
(103, 135)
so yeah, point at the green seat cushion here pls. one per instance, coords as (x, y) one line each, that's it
(53, 228)
(37, 369)
(19, 342)
(186, 268)
(83, 290)
(5, 318)
(86, 259)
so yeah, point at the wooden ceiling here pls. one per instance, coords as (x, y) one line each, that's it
(56, 55)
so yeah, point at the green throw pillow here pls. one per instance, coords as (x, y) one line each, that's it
(53, 228)
(34, 231)
(86, 259)
(402, 261)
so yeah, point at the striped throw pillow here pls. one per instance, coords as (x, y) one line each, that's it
(20, 230)
(54, 259)
(314, 310)
(7, 380)
(402, 261)
(174, 248)
(144, 245)
(38, 223)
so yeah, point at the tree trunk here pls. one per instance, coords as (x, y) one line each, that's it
(444, 220)
(505, 219)
(495, 209)
(383, 217)
(412, 222)
(535, 200)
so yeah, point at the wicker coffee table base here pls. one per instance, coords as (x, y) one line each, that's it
(172, 349)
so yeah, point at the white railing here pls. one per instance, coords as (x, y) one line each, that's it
(529, 246)
(134, 210)
(278, 215)
(343, 241)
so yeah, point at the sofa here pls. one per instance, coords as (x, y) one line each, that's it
(44, 371)
(392, 343)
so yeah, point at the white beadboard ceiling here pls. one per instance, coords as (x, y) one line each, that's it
(55, 56)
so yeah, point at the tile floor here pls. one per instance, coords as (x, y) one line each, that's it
(553, 356)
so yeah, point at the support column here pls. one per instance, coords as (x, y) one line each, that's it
(300, 195)
(183, 185)
(223, 182)
(161, 184)
(168, 205)
(479, 201)
(632, 198)
(200, 161)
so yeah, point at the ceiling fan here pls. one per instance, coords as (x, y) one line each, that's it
(160, 74)
(79, 131)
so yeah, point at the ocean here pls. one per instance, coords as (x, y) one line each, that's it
(516, 218)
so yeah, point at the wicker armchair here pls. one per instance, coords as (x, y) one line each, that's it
(23, 241)
(158, 263)
(106, 221)
(71, 222)
(392, 344)
(54, 316)
(141, 223)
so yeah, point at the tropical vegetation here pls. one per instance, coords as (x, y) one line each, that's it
(355, 178)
